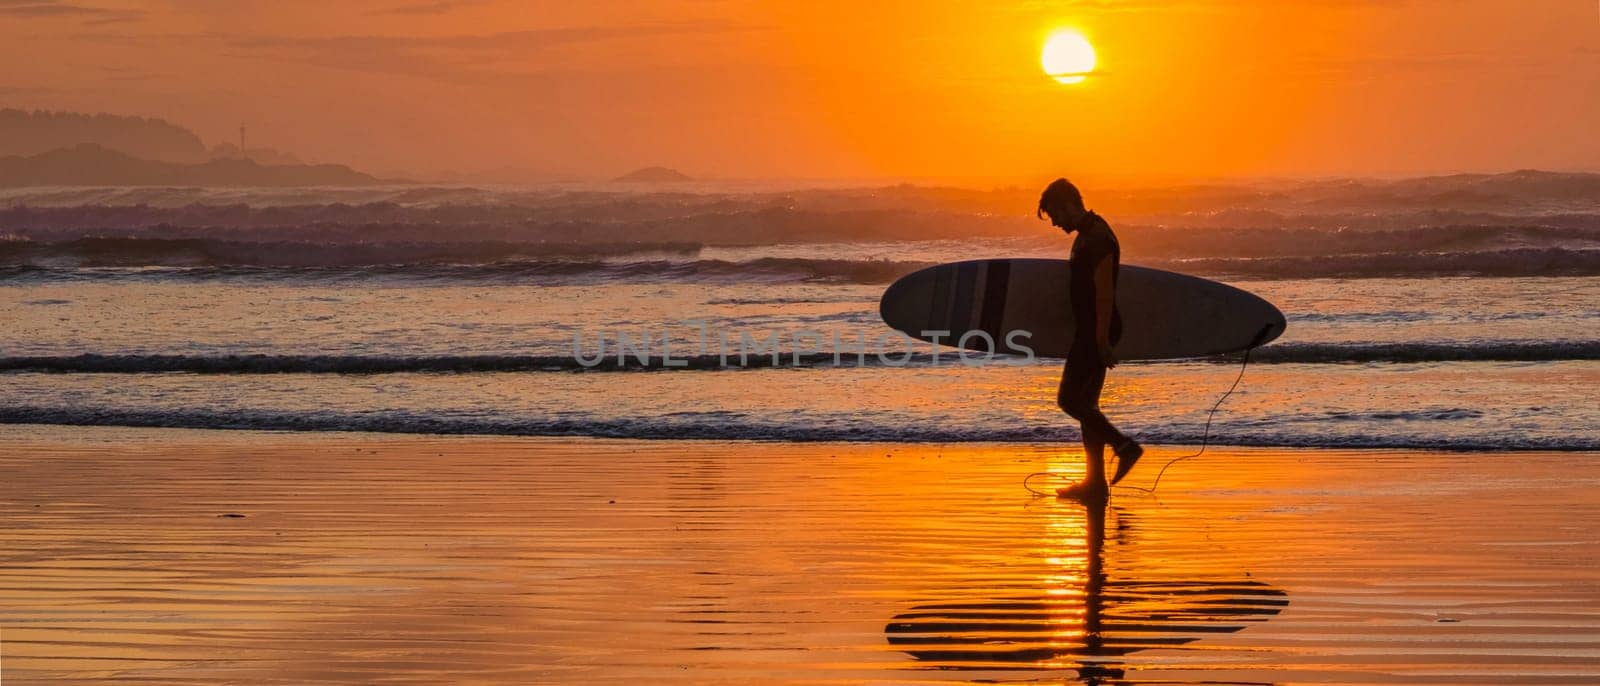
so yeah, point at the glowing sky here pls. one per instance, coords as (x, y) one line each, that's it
(930, 89)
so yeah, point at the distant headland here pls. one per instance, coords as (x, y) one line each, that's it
(88, 164)
(42, 148)
(653, 175)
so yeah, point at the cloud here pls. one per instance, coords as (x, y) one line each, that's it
(24, 90)
(1474, 65)
(455, 58)
(42, 9)
(125, 74)
(428, 8)
(533, 39)
(450, 57)
(1150, 5)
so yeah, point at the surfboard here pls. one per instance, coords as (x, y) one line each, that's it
(987, 305)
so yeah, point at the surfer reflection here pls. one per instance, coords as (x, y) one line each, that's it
(1082, 619)
(1096, 259)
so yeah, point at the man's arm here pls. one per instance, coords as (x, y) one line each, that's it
(1105, 303)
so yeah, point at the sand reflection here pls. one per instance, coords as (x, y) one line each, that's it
(1082, 616)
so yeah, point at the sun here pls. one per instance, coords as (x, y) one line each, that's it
(1068, 57)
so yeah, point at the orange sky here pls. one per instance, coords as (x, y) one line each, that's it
(929, 89)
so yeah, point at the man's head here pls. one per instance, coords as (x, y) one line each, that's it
(1063, 203)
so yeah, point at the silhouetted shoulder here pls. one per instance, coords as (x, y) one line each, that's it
(1095, 240)
(1100, 227)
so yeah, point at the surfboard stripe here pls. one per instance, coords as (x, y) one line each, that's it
(961, 312)
(975, 304)
(939, 305)
(997, 285)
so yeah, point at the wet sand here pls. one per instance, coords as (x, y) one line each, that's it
(382, 559)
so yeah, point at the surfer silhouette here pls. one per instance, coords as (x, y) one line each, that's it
(1096, 259)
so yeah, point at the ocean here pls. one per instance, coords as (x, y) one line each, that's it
(1455, 312)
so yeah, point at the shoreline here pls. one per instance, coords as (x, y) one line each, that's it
(669, 437)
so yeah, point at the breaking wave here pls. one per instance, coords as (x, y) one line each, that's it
(1506, 351)
(443, 264)
(1264, 237)
(531, 271)
(1282, 353)
(711, 428)
(1515, 262)
(204, 252)
(357, 364)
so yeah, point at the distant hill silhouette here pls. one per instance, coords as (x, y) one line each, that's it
(94, 165)
(32, 133)
(653, 175)
(259, 155)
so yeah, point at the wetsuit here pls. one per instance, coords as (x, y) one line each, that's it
(1085, 373)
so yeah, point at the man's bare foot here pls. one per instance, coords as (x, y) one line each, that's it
(1128, 454)
(1083, 492)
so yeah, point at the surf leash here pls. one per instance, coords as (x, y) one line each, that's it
(1205, 438)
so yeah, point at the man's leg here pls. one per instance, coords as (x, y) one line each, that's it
(1078, 396)
(1094, 421)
